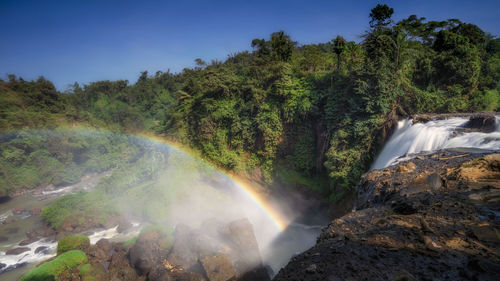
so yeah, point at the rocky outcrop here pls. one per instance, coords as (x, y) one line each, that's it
(434, 219)
(483, 122)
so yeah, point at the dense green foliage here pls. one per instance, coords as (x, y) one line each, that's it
(72, 242)
(32, 158)
(315, 111)
(52, 269)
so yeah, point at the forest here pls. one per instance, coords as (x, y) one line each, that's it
(311, 115)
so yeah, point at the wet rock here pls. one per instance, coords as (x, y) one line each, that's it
(407, 167)
(434, 181)
(403, 275)
(312, 268)
(409, 221)
(183, 253)
(17, 251)
(120, 269)
(487, 233)
(483, 122)
(160, 273)
(28, 241)
(147, 251)
(41, 249)
(242, 240)
(188, 276)
(2, 266)
(257, 274)
(218, 268)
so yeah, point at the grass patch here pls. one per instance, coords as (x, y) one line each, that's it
(51, 270)
(72, 242)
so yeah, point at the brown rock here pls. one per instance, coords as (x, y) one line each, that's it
(218, 268)
(407, 168)
(487, 233)
(17, 251)
(146, 252)
(36, 211)
(18, 210)
(242, 241)
(120, 269)
(484, 122)
(28, 241)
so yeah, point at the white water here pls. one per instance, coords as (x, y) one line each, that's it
(411, 139)
(28, 257)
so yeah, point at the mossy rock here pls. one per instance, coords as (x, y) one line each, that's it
(52, 269)
(92, 272)
(72, 242)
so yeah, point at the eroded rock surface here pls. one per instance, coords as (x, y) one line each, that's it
(435, 219)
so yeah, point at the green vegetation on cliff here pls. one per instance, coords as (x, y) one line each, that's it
(319, 110)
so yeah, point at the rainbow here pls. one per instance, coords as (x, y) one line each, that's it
(278, 219)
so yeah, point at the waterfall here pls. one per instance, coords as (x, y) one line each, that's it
(410, 139)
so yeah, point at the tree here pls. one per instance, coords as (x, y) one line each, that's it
(312, 57)
(282, 46)
(339, 46)
(262, 47)
(381, 16)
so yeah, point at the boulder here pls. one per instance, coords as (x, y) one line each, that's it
(434, 181)
(28, 241)
(41, 249)
(483, 122)
(184, 253)
(218, 268)
(120, 269)
(257, 274)
(241, 239)
(147, 251)
(159, 273)
(17, 251)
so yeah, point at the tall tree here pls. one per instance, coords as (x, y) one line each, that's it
(282, 46)
(381, 16)
(339, 46)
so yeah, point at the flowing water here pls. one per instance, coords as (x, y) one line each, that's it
(411, 139)
(13, 234)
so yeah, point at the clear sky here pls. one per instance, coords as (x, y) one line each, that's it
(90, 40)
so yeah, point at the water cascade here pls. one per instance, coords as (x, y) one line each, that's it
(410, 139)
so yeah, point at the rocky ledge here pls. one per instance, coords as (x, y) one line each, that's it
(213, 252)
(436, 217)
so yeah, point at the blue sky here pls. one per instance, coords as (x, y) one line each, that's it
(90, 40)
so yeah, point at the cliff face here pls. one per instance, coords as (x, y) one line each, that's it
(436, 217)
